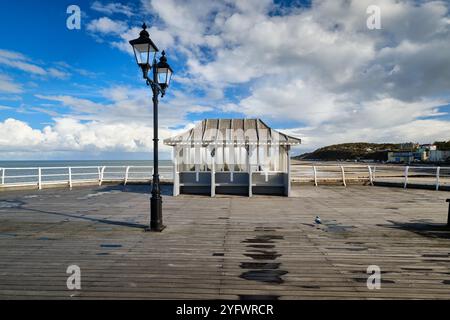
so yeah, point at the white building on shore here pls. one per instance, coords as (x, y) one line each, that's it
(439, 155)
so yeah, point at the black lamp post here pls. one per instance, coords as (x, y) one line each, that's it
(144, 48)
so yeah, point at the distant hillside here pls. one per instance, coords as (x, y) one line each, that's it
(442, 145)
(352, 151)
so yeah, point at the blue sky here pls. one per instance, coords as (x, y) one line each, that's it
(311, 69)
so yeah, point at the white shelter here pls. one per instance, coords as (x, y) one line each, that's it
(237, 156)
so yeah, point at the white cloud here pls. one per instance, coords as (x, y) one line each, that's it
(106, 26)
(422, 131)
(126, 104)
(123, 123)
(162, 38)
(320, 67)
(72, 135)
(57, 73)
(8, 85)
(112, 8)
(19, 61)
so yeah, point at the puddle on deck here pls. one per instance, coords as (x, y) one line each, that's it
(269, 276)
(260, 265)
(336, 227)
(364, 280)
(7, 204)
(262, 247)
(99, 194)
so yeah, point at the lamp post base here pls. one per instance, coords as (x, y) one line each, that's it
(156, 224)
(155, 229)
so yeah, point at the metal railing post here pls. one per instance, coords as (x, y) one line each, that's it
(315, 175)
(127, 170)
(343, 176)
(70, 178)
(406, 177)
(370, 175)
(40, 178)
(438, 170)
(101, 175)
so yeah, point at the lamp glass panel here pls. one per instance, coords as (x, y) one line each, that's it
(144, 52)
(162, 75)
(169, 77)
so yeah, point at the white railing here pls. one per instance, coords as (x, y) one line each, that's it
(435, 177)
(44, 176)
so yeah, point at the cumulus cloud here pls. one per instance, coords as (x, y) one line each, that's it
(320, 67)
(68, 134)
(107, 26)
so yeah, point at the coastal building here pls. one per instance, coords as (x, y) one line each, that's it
(424, 151)
(440, 156)
(243, 156)
(421, 153)
(400, 157)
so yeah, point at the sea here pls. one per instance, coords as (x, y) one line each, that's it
(79, 163)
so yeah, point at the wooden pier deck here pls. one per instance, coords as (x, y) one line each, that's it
(228, 247)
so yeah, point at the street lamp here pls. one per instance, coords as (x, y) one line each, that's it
(144, 50)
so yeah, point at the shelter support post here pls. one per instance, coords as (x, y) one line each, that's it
(250, 173)
(213, 176)
(176, 174)
(287, 186)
